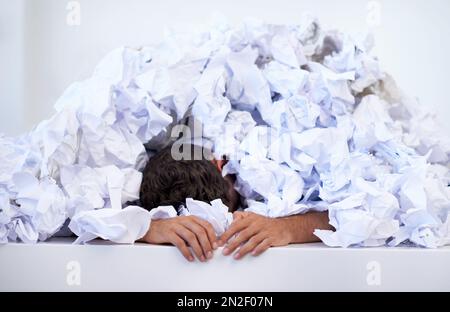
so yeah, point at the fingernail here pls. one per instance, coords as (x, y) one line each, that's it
(191, 259)
(225, 251)
(202, 258)
(237, 256)
(254, 253)
(209, 255)
(215, 246)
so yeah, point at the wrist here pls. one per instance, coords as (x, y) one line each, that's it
(286, 230)
(148, 237)
(301, 227)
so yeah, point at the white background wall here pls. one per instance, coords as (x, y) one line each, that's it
(12, 29)
(40, 54)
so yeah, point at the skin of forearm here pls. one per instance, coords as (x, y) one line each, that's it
(300, 228)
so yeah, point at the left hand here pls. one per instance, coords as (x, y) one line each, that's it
(255, 233)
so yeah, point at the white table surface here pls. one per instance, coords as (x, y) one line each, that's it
(57, 265)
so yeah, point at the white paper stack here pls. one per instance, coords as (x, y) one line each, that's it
(307, 117)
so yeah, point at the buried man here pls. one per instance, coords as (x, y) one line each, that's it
(168, 181)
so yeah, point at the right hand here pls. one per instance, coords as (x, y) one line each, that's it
(184, 232)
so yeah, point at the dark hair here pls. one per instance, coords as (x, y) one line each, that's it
(167, 181)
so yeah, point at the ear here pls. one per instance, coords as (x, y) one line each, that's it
(219, 164)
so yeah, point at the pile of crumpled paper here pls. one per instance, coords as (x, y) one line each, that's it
(307, 117)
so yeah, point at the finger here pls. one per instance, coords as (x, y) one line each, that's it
(209, 231)
(262, 247)
(237, 215)
(241, 238)
(201, 234)
(235, 227)
(182, 247)
(192, 241)
(252, 243)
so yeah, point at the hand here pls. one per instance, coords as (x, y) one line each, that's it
(184, 232)
(256, 233)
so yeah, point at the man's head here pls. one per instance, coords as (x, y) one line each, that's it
(167, 181)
